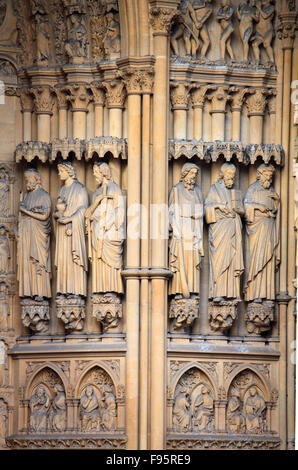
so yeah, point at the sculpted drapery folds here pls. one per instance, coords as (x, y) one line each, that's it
(223, 208)
(186, 233)
(71, 256)
(261, 211)
(224, 17)
(105, 220)
(247, 14)
(34, 266)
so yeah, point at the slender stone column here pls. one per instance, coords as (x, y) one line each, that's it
(99, 102)
(219, 100)
(236, 107)
(27, 108)
(198, 96)
(272, 114)
(62, 111)
(79, 99)
(256, 104)
(161, 22)
(179, 101)
(43, 106)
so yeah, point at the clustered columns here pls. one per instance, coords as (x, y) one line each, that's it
(219, 99)
(62, 101)
(256, 105)
(79, 99)
(43, 106)
(237, 101)
(27, 108)
(179, 101)
(98, 93)
(198, 96)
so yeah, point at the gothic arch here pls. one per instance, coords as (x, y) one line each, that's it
(56, 370)
(253, 370)
(94, 365)
(181, 372)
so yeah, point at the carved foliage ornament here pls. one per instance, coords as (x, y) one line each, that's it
(161, 19)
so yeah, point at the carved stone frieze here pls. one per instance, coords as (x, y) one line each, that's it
(35, 315)
(183, 313)
(259, 317)
(68, 442)
(72, 311)
(107, 309)
(229, 443)
(222, 315)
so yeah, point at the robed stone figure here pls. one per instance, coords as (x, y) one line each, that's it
(105, 226)
(223, 208)
(71, 256)
(34, 265)
(186, 233)
(261, 204)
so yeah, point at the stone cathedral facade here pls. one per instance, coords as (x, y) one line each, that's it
(148, 224)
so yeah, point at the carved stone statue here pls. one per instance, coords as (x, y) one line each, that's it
(182, 412)
(186, 226)
(89, 410)
(224, 16)
(76, 45)
(71, 257)
(34, 265)
(204, 411)
(264, 30)
(109, 412)
(235, 418)
(4, 250)
(223, 208)
(203, 10)
(254, 408)
(111, 39)
(3, 422)
(57, 412)
(247, 14)
(105, 227)
(42, 38)
(261, 204)
(4, 193)
(39, 405)
(187, 30)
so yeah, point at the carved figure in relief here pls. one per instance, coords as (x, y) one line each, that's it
(223, 208)
(187, 30)
(57, 412)
(3, 422)
(42, 28)
(247, 14)
(204, 411)
(76, 45)
(39, 405)
(182, 412)
(4, 192)
(4, 250)
(235, 419)
(109, 412)
(254, 408)
(186, 238)
(34, 266)
(71, 257)
(89, 410)
(224, 17)
(264, 30)
(261, 204)
(111, 39)
(105, 220)
(199, 12)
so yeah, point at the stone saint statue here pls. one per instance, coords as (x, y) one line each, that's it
(254, 408)
(204, 411)
(57, 413)
(4, 250)
(247, 14)
(186, 233)
(105, 220)
(264, 30)
(224, 16)
(89, 410)
(235, 419)
(223, 208)
(111, 39)
(34, 264)
(71, 256)
(182, 412)
(261, 204)
(109, 412)
(42, 38)
(76, 46)
(39, 405)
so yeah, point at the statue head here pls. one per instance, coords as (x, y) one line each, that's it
(253, 391)
(32, 178)
(89, 391)
(227, 174)
(102, 172)
(265, 175)
(189, 175)
(66, 170)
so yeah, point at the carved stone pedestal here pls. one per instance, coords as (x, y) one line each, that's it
(222, 315)
(71, 310)
(36, 315)
(183, 313)
(259, 317)
(107, 309)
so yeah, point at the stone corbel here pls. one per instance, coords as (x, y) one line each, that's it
(72, 311)
(183, 313)
(259, 317)
(36, 315)
(107, 309)
(222, 315)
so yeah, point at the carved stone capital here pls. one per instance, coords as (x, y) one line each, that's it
(259, 317)
(61, 94)
(72, 312)
(43, 99)
(26, 100)
(161, 20)
(222, 315)
(78, 96)
(35, 315)
(272, 104)
(183, 312)
(238, 97)
(138, 81)
(98, 92)
(107, 309)
(179, 95)
(198, 94)
(256, 102)
(115, 93)
(286, 29)
(219, 99)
